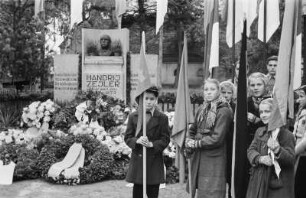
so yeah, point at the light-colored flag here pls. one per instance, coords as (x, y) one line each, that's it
(39, 6)
(161, 11)
(144, 82)
(283, 89)
(211, 31)
(183, 113)
(298, 57)
(120, 10)
(244, 9)
(76, 8)
(272, 18)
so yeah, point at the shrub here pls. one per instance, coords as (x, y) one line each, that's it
(24, 158)
(9, 116)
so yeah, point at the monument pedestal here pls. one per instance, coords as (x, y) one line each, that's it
(105, 74)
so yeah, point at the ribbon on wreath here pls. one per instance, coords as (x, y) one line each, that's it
(70, 165)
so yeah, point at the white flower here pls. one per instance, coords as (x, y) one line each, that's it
(79, 113)
(59, 133)
(38, 124)
(48, 107)
(47, 119)
(126, 150)
(41, 108)
(8, 139)
(47, 113)
(34, 105)
(40, 115)
(32, 116)
(118, 139)
(2, 136)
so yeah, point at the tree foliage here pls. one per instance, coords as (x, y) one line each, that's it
(21, 44)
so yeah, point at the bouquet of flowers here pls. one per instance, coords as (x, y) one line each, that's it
(170, 116)
(38, 113)
(85, 112)
(117, 146)
(93, 129)
(170, 151)
(16, 136)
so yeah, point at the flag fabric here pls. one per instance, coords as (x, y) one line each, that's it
(244, 9)
(283, 90)
(120, 8)
(298, 57)
(161, 11)
(183, 113)
(272, 18)
(76, 8)
(144, 82)
(211, 31)
(241, 135)
(39, 7)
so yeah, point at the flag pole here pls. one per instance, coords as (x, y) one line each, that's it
(144, 132)
(265, 30)
(160, 55)
(187, 112)
(233, 43)
(144, 149)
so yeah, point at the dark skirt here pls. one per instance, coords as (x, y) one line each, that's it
(259, 182)
(300, 178)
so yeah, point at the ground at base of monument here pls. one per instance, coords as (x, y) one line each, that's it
(109, 189)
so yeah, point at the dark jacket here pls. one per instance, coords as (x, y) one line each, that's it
(158, 133)
(263, 181)
(252, 127)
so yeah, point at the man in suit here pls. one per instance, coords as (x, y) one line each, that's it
(157, 139)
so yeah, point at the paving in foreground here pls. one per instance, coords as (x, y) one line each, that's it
(107, 189)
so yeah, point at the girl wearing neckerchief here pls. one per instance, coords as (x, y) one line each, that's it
(206, 143)
(272, 157)
(257, 88)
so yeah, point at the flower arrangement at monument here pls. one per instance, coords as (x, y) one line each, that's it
(38, 113)
(15, 136)
(94, 120)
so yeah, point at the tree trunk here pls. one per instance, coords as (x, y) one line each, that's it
(142, 17)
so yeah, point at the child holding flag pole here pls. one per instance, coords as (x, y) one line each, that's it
(147, 134)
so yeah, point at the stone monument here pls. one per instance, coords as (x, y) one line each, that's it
(104, 63)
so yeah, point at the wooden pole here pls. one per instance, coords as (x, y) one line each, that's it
(160, 56)
(187, 113)
(233, 43)
(265, 31)
(189, 178)
(144, 149)
(181, 167)
(304, 48)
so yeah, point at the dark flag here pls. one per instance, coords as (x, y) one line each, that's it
(241, 135)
